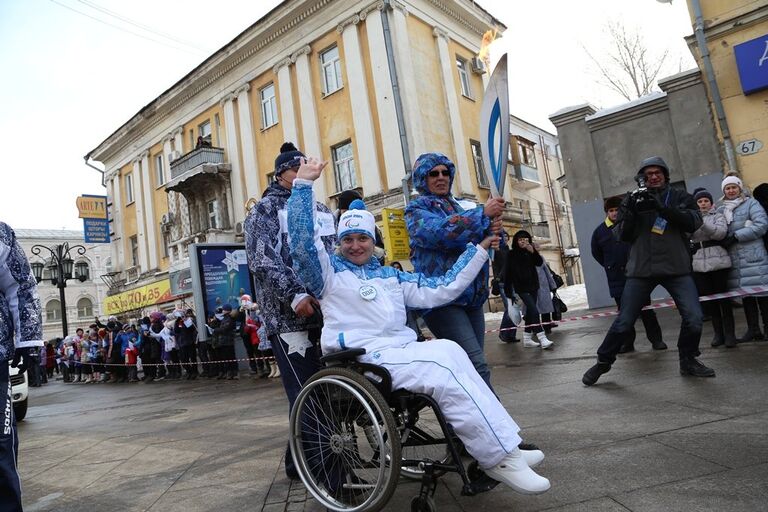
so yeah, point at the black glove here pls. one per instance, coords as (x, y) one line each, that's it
(729, 241)
(22, 358)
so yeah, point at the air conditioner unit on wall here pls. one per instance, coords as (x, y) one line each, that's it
(478, 66)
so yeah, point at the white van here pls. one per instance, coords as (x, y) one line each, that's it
(20, 392)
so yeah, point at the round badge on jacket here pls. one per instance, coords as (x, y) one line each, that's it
(368, 292)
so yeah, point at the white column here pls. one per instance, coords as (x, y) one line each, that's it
(233, 153)
(385, 99)
(178, 140)
(287, 114)
(138, 194)
(251, 171)
(308, 113)
(149, 211)
(462, 182)
(407, 79)
(113, 193)
(361, 111)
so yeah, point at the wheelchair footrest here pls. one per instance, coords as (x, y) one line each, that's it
(479, 482)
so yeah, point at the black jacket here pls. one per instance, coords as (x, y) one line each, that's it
(654, 255)
(612, 255)
(185, 336)
(520, 274)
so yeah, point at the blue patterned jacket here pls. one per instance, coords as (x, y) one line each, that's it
(20, 315)
(278, 287)
(440, 230)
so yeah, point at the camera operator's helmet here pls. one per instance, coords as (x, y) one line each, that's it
(656, 161)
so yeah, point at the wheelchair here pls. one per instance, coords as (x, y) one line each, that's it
(352, 437)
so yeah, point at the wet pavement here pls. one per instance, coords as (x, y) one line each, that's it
(643, 439)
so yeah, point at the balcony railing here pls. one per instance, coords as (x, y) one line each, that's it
(194, 158)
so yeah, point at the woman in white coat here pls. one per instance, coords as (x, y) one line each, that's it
(711, 265)
(747, 223)
(364, 306)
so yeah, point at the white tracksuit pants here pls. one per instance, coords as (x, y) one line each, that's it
(441, 369)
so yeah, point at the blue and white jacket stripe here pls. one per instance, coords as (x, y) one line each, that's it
(350, 321)
(20, 314)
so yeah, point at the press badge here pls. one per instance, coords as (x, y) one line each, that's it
(659, 226)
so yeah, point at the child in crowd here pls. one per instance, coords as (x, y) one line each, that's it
(131, 355)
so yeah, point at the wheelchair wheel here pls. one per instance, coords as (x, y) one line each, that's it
(425, 441)
(344, 442)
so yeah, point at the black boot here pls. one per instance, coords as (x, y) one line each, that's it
(594, 373)
(691, 366)
(717, 326)
(753, 321)
(729, 334)
(762, 303)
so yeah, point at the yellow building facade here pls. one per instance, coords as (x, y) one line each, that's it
(728, 26)
(183, 168)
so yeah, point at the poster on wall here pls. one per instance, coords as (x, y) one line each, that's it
(223, 275)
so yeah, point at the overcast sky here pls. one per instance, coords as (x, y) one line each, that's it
(70, 80)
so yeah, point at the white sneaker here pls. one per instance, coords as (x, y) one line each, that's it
(545, 342)
(533, 457)
(528, 340)
(514, 472)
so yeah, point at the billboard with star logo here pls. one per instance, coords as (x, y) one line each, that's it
(224, 276)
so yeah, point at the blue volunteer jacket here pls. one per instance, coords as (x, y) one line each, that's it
(20, 314)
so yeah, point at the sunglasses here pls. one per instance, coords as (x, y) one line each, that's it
(435, 174)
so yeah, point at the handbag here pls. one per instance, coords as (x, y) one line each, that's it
(559, 306)
(513, 310)
(557, 279)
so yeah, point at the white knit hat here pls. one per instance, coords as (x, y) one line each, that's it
(731, 180)
(357, 220)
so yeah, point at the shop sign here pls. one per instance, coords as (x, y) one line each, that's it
(752, 63)
(138, 298)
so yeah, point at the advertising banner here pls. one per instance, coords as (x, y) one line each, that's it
(96, 231)
(92, 207)
(181, 282)
(224, 275)
(395, 233)
(752, 62)
(138, 298)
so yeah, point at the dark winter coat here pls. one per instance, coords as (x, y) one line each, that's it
(185, 336)
(654, 255)
(612, 255)
(520, 274)
(224, 333)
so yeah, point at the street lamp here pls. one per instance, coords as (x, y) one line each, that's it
(61, 268)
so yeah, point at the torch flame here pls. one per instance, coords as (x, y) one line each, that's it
(488, 38)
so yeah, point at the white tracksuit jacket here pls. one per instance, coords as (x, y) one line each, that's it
(364, 307)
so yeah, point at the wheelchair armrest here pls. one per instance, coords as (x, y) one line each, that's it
(342, 356)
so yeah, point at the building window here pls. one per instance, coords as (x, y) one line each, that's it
(166, 234)
(159, 171)
(108, 265)
(53, 311)
(477, 156)
(268, 106)
(134, 240)
(128, 188)
(204, 131)
(82, 270)
(527, 153)
(211, 208)
(84, 308)
(331, 66)
(461, 65)
(270, 178)
(344, 166)
(217, 124)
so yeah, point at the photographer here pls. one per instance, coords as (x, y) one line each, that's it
(655, 220)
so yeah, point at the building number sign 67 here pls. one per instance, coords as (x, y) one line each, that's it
(749, 147)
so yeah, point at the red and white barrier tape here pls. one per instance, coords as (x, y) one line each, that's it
(749, 290)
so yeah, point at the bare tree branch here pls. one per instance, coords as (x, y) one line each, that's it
(627, 67)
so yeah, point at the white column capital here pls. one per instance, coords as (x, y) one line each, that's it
(287, 61)
(304, 50)
(352, 20)
(373, 7)
(242, 89)
(400, 6)
(440, 33)
(178, 131)
(166, 138)
(229, 97)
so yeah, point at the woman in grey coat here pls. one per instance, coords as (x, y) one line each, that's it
(544, 296)
(711, 266)
(747, 223)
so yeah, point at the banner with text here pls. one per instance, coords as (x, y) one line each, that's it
(138, 298)
(395, 233)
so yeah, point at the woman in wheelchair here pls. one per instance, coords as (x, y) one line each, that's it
(364, 306)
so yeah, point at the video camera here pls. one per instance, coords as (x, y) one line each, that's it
(642, 197)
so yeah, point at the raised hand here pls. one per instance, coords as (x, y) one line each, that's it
(311, 168)
(494, 207)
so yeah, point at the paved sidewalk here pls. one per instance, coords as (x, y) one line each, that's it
(643, 439)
